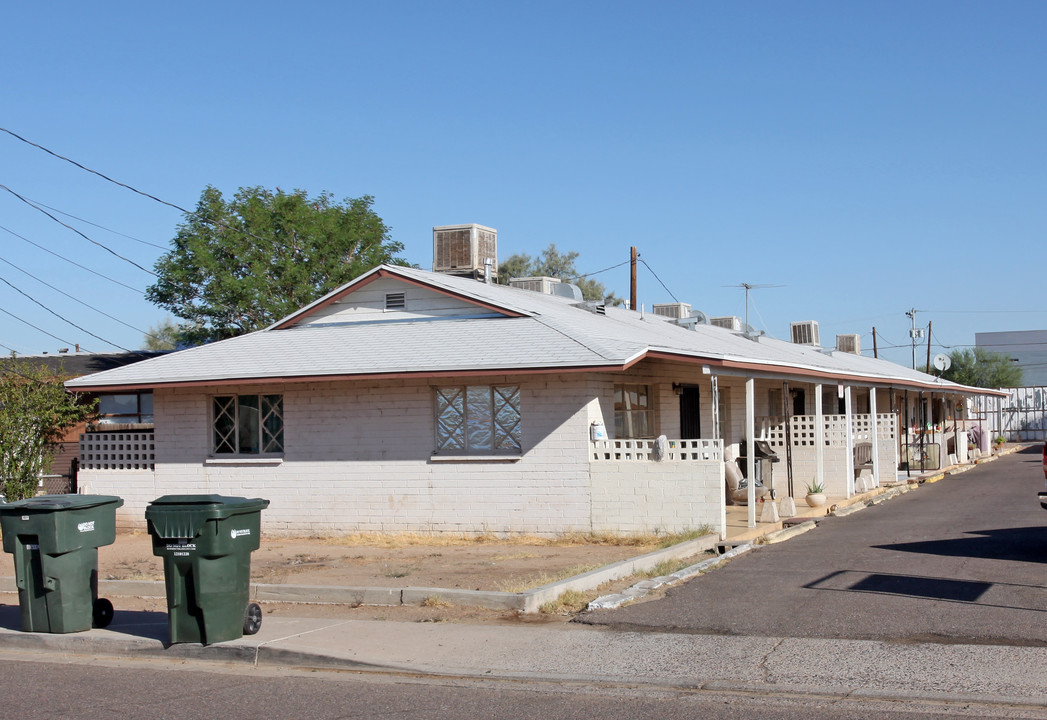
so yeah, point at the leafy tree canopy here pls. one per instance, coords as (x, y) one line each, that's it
(35, 410)
(979, 367)
(239, 266)
(162, 336)
(553, 263)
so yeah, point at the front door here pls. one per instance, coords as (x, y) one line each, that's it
(690, 413)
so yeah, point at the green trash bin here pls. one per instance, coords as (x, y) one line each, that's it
(206, 542)
(55, 541)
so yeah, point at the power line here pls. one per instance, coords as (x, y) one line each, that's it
(71, 262)
(100, 227)
(40, 329)
(128, 187)
(63, 319)
(579, 277)
(91, 307)
(675, 299)
(67, 225)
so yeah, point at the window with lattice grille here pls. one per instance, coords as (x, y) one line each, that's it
(247, 424)
(478, 419)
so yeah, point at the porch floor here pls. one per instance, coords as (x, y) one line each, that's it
(738, 530)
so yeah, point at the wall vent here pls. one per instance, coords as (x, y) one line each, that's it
(672, 310)
(461, 249)
(804, 333)
(395, 301)
(849, 344)
(731, 322)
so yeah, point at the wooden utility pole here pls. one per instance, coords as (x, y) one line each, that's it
(875, 353)
(632, 279)
(928, 368)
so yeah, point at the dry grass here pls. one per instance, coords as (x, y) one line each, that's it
(405, 539)
(569, 602)
(435, 601)
(517, 585)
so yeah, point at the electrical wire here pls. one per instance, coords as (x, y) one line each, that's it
(579, 277)
(40, 329)
(85, 237)
(128, 187)
(658, 279)
(100, 227)
(72, 262)
(86, 305)
(60, 317)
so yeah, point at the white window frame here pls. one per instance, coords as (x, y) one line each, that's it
(629, 415)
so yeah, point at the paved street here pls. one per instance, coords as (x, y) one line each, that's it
(959, 561)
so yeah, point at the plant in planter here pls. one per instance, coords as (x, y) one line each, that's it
(815, 494)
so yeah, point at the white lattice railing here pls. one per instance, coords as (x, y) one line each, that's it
(644, 449)
(803, 429)
(116, 451)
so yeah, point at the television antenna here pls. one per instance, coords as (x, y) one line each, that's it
(749, 287)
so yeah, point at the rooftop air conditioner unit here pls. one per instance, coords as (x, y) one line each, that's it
(805, 333)
(849, 344)
(536, 284)
(731, 322)
(462, 249)
(672, 310)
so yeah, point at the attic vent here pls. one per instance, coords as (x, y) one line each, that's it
(672, 310)
(731, 322)
(395, 301)
(805, 333)
(593, 307)
(849, 344)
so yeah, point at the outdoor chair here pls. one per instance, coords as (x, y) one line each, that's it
(738, 486)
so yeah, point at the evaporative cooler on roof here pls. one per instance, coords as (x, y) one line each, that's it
(462, 249)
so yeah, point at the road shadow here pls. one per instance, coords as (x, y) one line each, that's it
(1028, 544)
(139, 623)
(909, 585)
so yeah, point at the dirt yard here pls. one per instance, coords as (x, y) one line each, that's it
(486, 564)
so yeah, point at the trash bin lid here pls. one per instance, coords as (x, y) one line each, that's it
(57, 503)
(184, 516)
(199, 502)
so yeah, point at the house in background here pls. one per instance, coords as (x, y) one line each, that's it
(113, 408)
(409, 400)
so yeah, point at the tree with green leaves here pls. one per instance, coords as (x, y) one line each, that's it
(35, 410)
(162, 336)
(240, 265)
(552, 263)
(983, 368)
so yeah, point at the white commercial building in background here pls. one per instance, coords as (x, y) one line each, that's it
(1027, 348)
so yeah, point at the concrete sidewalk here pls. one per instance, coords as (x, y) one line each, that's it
(572, 653)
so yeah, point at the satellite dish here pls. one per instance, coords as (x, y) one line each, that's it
(942, 362)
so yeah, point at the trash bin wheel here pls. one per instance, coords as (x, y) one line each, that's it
(252, 619)
(101, 613)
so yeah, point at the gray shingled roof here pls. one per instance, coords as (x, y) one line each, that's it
(549, 332)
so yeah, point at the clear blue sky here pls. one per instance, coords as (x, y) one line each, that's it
(867, 157)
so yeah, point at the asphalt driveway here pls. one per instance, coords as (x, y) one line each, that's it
(963, 560)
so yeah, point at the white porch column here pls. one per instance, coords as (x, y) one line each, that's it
(750, 454)
(875, 438)
(850, 440)
(819, 437)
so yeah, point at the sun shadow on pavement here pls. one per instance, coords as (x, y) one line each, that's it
(1019, 544)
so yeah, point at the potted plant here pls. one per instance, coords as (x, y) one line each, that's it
(815, 494)
(999, 441)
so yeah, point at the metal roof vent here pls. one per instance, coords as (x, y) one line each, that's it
(804, 333)
(594, 307)
(568, 290)
(692, 321)
(462, 249)
(849, 344)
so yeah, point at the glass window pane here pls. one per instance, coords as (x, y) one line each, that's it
(478, 415)
(145, 404)
(224, 425)
(272, 423)
(450, 419)
(507, 418)
(118, 404)
(248, 424)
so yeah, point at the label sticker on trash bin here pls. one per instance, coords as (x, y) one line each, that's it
(234, 534)
(32, 546)
(88, 526)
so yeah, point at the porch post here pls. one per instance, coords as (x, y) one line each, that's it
(875, 438)
(819, 437)
(750, 453)
(850, 440)
(716, 407)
